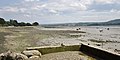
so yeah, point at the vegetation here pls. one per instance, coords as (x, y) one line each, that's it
(2, 41)
(16, 23)
(35, 24)
(2, 21)
(18, 38)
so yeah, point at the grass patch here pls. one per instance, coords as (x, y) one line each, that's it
(19, 38)
(2, 41)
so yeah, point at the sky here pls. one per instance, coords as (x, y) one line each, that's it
(60, 11)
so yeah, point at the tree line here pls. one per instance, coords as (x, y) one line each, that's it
(12, 22)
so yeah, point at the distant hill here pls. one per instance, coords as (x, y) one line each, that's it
(111, 22)
(116, 21)
(108, 23)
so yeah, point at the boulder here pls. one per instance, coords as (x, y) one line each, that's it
(6, 56)
(30, 53)
(1, 56)
(20, 56)
(12, 56)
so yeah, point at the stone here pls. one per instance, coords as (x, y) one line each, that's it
(98, 44)
(62, 44)
(30, 53)
(34, 58)
(12, 56)
(6, 56)
(20, 56)
(1, 56)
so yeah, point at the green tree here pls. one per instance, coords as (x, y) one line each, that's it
(28, 24)
(2, 21)
(22, 24)
(13, 22)
(35, 24)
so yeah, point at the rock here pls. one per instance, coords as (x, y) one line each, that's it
(30, 53)
(6, 56)
(77, 29)
(98, 44)
(62, 44)
(34, 58)
(20, 56)
(1, 56)
(12, 56)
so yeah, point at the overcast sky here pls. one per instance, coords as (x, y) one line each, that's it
(60, 11)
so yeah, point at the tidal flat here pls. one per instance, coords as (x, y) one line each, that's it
(18, 38)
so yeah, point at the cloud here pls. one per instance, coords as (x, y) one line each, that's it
(10, 9)
(113, 10)
(31, 0)
(46, 11)
(108, 1)
(87, 2)
(53, 11)
(78, 6)
(105, 1)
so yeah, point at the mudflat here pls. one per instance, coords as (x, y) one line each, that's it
(18, 38)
